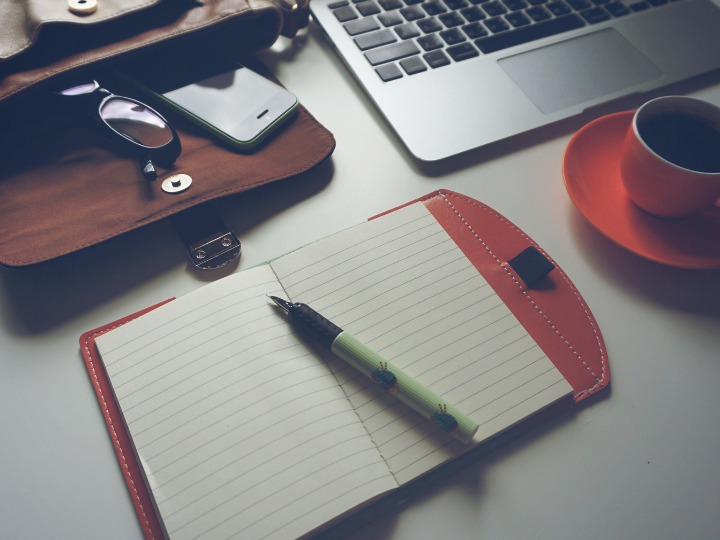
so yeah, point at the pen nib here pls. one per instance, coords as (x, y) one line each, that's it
(284, 304)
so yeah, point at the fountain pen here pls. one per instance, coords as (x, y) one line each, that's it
(384, 373)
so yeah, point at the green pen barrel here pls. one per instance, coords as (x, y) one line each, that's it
(404, 387)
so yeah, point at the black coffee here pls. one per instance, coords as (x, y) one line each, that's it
(683, 140)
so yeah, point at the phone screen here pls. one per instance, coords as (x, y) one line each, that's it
(240, 103)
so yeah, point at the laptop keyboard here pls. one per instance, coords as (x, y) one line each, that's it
(419, 34)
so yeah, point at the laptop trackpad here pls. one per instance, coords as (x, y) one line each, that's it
(579, 70)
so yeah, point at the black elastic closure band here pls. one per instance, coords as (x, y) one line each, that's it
(531, 265)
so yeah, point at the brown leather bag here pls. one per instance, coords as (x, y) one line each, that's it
(62, 188)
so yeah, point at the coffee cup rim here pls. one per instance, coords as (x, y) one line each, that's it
(694, 103)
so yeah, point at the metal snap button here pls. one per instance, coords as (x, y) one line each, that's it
(176, 183)
(82, 7)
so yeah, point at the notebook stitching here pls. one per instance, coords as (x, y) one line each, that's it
(112, 427)
(602, 356)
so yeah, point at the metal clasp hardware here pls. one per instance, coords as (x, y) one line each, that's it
(210, 244)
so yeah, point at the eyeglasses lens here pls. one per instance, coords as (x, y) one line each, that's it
(76, 90)
(136, 123)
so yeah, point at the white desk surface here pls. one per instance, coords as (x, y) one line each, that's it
(639, 460)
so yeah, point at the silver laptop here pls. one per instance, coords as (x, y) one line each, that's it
(453, 75)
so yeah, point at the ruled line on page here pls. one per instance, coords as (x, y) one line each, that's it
(400, 304)
(504, 393)
(446, 372)
(190, 341)
(435, 238)
(192, 335)
(496, 366)
(193, 420)
(190, 488)
(118, 345)
(416, 307)
(238, 399)
(238, 477)
(318, 506)
(223, 374)
(211, 386)
(450, 442)
(173, 367)
(354, 247)
(286, 486)
(387, 277)
(197, 495)
(457, 312)
(425, 453)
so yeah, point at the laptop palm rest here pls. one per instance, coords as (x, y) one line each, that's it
(579, 70)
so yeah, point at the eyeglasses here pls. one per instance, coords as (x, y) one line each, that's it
(129, 123)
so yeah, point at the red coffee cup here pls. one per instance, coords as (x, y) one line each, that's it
(670, 159)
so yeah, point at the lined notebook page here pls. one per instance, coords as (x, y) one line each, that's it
(240, 427)
(401, 285)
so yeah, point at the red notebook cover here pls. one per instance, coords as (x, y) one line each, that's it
(554, 314)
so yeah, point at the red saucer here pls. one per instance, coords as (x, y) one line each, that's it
(591, 169)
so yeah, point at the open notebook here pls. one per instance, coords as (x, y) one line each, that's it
(245, 429)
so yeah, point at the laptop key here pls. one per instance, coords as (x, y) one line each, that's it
(617, 9)
(396, 51)
(367, 8)
(407, 31)
(639, 6)
(577, 5)
(389, 72)
(515, 5)
(456, 4)
(474, 30)
(413, 65)
(451, 19)
(390, 19)
(529, 33)
(538, 13)
(336, 5)
(430, 43)
(413, 2)
(494, 9)
(453, 36)
(361, 26)
(657, 2)
(537, 2)
(412, 13)
(518, 19)
(434, 8)
(430, 25)
(496, 25)
(436, 59)
(558, 8)
(345, 14)
(389, 5)
(376, 39)
(473, 14)
(462, 52)
(595, 15)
